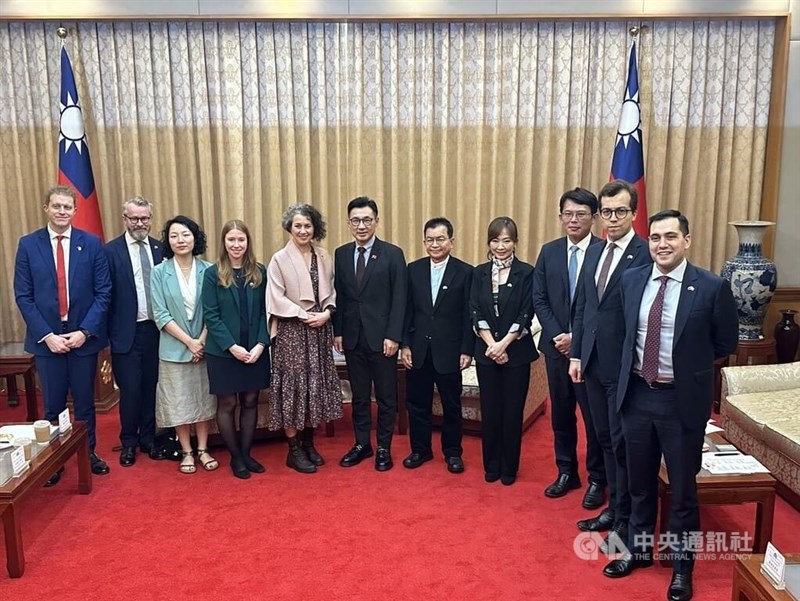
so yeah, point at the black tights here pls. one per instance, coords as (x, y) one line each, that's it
(226, 422)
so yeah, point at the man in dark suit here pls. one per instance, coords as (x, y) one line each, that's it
(132, 332)
(437, 345)
(371, 291)
(598, 333)
(555, 281)
(678, 320)
(62, 289)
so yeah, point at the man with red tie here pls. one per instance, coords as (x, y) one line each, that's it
(62, 289)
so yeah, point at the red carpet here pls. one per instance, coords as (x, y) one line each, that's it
(148, 532)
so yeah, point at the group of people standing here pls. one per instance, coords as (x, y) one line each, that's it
(630, 331)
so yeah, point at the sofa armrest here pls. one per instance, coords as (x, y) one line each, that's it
(741, 379)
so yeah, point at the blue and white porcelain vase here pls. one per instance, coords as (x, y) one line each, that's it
(752, 276)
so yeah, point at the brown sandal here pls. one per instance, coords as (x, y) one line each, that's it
(187, 463)
(206, 460)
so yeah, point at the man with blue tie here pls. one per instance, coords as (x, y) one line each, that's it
(62, 289)
(437, 344)
(132, 332)
(555, 282)
(678, 320)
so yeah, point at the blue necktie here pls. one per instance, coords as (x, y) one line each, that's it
(573, 271)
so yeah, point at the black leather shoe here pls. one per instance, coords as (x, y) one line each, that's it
(355, 455)
(601, 523)
(415, 460)
(455, 465)
(563, 484)
(491, 477)
(253, 466)
(680, 588)
(239, 469)
(54, 479)
(620, 535)
(383, 460)
(619, 568)
(99, 467)
(127, 456)
(595, 496)
(156, 452)
(507, 480)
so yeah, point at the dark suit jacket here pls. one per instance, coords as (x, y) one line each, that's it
(379, 304)
(221, 311)
(124, 307)
(551, 300)
(443, 327)
(706, 328)
(515, 305)
(598, 329)
(36, 290)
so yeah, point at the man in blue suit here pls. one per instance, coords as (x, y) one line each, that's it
(678, 320)
(62, 289)
(598, 333)
(132, 332)
(555, 282)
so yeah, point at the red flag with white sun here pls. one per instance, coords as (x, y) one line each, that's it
(74, 163)
(628, 160)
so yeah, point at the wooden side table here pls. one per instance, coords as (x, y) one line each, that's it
(14, 361)
(755, 352)
(749, 584)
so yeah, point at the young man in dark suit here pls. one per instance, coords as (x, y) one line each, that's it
(555, 281)
(437, 345)
(678, 320)
(597, 338)
(371, 292)
(62, 289)
(132, 332)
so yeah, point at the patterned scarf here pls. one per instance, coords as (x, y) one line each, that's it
(497, 265)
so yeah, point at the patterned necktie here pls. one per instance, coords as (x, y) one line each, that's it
(652, 342)
(361, 264)
(603, 279)
(573, 271)
(61, 278)
(146, 269)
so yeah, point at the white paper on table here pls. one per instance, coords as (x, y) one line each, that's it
(711, 427)
(25, 431)
(732, 464)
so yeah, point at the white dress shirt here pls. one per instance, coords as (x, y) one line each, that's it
(437, 273)
(581, 252)
(622, 245)
(138, 280)
(367, 253)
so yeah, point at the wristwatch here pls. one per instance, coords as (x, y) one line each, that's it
(85, 332)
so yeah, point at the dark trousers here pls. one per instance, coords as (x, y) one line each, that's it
(420, 380)
(365, 367)
(564, 396)
(652, 427)
(601, 392)
(502, 390)
(64, 374)
(136, 373)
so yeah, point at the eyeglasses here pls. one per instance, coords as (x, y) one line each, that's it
(438, 240)
(580, 216)
(138, 219)
(355, 221)
(620, 212)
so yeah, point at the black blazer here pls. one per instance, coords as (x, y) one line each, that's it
(551, 300)
(445, 327)
(378, 305)
(598, 329)
(706, 328)
(123, 307)
(515, 305)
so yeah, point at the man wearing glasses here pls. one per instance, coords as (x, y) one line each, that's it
(132, 332)
(371, 293)
(437, 345)
(597, 339)
(555, 281)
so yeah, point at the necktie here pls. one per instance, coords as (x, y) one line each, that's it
(61, 278)
(146, 269)
(361, 264)
(652, 341)
(603, 279)
(573, 271)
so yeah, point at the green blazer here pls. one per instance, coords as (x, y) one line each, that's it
(221, 311)
(168, 306)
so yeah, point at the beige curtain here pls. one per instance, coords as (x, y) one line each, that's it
(467, 120)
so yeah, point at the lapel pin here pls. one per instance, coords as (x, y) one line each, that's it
(373, 257)
(690, 288)
(629, 257)
(444, 287)
(79, 247)
(510, 285)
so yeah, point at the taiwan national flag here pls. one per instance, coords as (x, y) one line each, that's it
(74, 164)
(628, 161)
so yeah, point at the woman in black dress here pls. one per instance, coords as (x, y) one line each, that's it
(236, 349)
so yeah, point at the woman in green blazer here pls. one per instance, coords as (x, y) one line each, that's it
(236, 348)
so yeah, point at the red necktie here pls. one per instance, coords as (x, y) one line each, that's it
(652, 342)
(61, 278)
